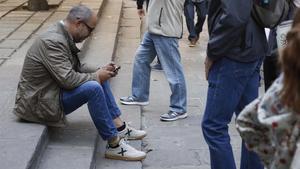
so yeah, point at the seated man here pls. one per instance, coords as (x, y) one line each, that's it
(52, 85)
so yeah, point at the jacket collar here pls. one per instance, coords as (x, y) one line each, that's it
(69, 38)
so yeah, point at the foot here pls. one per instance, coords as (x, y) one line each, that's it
(172, 116)
(124, 152)
(131, 133)
(193, 42)
(130, 101)
(156, 66)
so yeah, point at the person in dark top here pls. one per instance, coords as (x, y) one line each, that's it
(235, 51)
(270, 65)
(189, 12)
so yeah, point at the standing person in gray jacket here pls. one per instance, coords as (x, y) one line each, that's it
(235, 50)
(165, 25)
(141, 13)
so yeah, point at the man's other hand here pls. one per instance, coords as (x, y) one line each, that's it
(110, 67)
(141, 13)
(208, 63)
(104, 75)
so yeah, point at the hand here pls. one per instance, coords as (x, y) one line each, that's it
(208, 63)
(141, 13)
(110, 67)
(104, 75)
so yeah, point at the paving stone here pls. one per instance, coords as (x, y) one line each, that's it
(7, 6)
(18, 141)
(20, 35)
(7, 30)
(11, 44)
(54, 2)
(130, 32)
(5, 53)
(130, 13)
(66, 157)
(15, 154)
(14, 129)
(130, 22)
(65, 137)
(130, 43)
(28, 27)
(167, 158)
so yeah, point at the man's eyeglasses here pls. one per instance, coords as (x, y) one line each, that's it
(90, 29)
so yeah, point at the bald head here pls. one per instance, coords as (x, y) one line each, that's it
(80, 13)
(80, 22)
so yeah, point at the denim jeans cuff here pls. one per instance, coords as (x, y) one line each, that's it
(116, 114)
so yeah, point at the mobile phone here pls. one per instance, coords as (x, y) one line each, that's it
(117, 68)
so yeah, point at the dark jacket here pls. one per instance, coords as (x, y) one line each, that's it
(233, 33)
(51, 64)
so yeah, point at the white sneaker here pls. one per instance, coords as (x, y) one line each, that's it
(124, 152)
(131, 133)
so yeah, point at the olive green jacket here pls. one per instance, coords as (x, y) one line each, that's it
(51, 64)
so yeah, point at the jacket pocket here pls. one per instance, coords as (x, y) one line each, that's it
(160, 15)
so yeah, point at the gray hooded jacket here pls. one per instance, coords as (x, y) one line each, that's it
(165, 17)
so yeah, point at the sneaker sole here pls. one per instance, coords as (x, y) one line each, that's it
(124, 158)
(135, 103)
(158, 70)
(137, 138)
(174, 119)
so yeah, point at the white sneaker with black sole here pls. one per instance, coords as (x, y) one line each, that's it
(131, 133)
(124, 152)
(172, 116)
(130, 101)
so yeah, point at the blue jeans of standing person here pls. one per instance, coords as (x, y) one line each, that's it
(166, 49)
(232, 85)
(189, 12)
(101, 104)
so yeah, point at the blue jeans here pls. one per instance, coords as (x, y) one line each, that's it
(166, 49)
(189, 12)
(101, 104)
(232, 85)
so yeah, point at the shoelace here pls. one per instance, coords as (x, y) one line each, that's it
(172, 114)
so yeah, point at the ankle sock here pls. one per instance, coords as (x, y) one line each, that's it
(114, 142)
(122, 127)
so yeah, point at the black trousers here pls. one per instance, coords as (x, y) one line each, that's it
(271, 70)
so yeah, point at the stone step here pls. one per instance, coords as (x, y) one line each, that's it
(74, 147)
(10, 5)
(22, 144)
(15, 39)
(129, 25)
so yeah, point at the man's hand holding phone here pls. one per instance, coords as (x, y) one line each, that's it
(117, 68)
(108, 71)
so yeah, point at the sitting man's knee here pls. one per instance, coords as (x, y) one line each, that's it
(93, 86)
